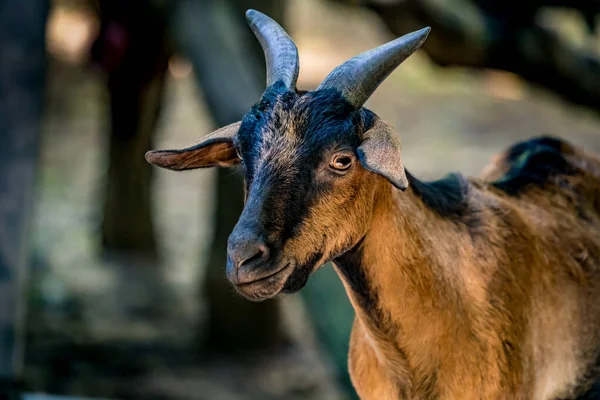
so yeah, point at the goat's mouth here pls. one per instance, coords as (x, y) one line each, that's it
(265, 287)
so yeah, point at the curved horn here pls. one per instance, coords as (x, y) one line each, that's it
(281, 53)
(358, 77)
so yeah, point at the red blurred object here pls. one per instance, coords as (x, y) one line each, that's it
(108, 50)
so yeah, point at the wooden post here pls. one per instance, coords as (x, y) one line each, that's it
(22, 73)
(135, 83)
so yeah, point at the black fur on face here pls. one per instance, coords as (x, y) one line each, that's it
(295, 201)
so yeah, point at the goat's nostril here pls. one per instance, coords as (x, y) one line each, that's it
(254, 254)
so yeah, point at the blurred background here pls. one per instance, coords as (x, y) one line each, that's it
(112, 281)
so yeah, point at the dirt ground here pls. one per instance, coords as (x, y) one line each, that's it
(450, 120)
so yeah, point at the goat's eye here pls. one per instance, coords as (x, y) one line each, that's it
(340, 162)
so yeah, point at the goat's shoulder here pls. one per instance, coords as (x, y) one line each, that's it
(547, 191)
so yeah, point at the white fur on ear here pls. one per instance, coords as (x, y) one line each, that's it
(380, 153)
(213, 150)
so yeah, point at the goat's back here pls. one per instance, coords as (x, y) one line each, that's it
(544, 162)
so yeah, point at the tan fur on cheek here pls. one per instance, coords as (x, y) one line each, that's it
(324, 231)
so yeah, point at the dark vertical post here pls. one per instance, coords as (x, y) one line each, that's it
(136, 81)
(22, 73)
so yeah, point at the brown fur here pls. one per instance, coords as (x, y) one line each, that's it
(504, 309)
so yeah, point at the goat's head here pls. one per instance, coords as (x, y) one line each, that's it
(311, 162)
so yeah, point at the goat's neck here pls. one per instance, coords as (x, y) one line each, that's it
(403, 279)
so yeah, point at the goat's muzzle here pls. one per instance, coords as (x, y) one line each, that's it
(253, 268)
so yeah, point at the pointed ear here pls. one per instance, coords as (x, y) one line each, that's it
(379, 152)
(216, 149)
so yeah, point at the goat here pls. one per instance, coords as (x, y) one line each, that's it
(479, 288)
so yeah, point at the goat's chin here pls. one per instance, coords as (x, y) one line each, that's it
(288, 280)
(267, 288)
(297, 279)
(258, 292)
